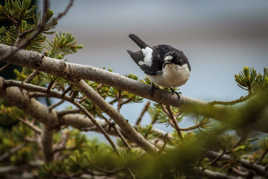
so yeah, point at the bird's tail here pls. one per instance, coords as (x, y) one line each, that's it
(138, 41)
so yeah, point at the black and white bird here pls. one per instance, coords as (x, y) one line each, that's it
(164, 65)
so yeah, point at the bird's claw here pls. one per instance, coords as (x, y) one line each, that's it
(175, 92)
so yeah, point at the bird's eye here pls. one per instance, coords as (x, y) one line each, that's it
(180, 61)
(168, 58)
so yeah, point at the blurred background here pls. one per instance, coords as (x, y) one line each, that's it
(218, 37)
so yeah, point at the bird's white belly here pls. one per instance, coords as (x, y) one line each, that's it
(172, 76)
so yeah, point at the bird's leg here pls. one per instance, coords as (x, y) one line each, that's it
(153, 88)
(173, 91)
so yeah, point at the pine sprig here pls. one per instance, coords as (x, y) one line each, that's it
(63, 44)
(251, 81)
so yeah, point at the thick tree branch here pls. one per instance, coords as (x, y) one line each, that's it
(67, 70)
(21, 99)
(47, 142)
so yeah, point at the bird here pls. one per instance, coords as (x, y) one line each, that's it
(163, 64)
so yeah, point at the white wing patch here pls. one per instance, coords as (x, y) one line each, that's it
(141, 63)
(147, 53)
(168, 58)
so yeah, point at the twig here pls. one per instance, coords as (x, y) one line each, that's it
(61, 101)
(4, 67)
(113, 101)
(56, 104)
(66, 10)
(170, 114)
(8, 169)
(12, 19)
(11, 151)
(212, 174)
(145, 108)
(118, 132)
(241, 99)
(259, 169)
(218, 158)
(62, 144)
(50, 85)
(31, 76)
(165, 143)
(131, 173)
(85, 111)
(31, 126)
(262, 156)
(70, 111)
(119, 100)
(124, 140)
(193, 127)
(126, 101)
(241, 173)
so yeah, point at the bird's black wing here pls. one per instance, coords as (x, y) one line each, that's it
(138, 57)
(163, 50)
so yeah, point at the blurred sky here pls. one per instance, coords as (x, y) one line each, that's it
(219, 38)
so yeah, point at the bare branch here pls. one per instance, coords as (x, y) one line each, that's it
(263, 155)
(10, 152)
(145, 108)
(66, 10)
(70, 111)
(259, 169)
(62, 144)
(118, 132)
(56, 104)
(240, 100)
(216, 175)
(200, 124)
(4, 67)
(172, 120)
(31, 76)
(31, 126)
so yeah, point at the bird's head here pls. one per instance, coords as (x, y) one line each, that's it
(174, 57)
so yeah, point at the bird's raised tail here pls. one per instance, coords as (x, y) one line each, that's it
(138, 41)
